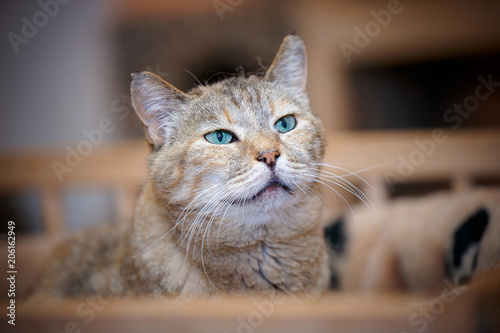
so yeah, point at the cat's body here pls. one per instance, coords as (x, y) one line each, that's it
(227, 206)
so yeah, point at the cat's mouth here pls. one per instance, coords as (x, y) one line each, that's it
(273, 185)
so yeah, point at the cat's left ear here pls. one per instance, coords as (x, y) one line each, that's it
(289, 67)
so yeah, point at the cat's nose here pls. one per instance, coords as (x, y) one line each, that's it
(269, 158)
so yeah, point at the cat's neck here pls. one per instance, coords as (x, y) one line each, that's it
(284, 251)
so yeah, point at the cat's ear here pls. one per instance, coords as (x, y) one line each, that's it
(462, 256)
(290, 64)
(155, 101)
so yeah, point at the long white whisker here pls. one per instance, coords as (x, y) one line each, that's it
(207, 230)
(350, 173)
(361, 196)
(224, 200)
(186, 211)
(351, 188)
(175, 225)
(198, 219)
(333, 190)
(231, 198)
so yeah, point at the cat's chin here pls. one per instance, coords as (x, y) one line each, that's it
(273, 190)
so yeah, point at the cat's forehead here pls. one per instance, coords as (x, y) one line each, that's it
(235, 92)
(242, 100)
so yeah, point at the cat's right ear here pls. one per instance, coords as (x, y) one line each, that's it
(155, 101)
(289, 67)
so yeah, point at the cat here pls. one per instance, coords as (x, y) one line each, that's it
(425, 244)
(227, 207)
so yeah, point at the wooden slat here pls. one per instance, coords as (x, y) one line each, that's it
(53, 212)
(471, 153)
(461, 182)
(112, 164)
(126, 198)
(331, 313)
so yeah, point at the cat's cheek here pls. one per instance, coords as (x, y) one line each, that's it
(292, 177)
(297, 153)
(307, 147)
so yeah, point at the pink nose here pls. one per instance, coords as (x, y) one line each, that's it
(269, 158)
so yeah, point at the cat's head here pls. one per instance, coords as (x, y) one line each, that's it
(245, 145)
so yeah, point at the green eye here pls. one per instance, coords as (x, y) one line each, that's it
(220, 137)
(285, 124)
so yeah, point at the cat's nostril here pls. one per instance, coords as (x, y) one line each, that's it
(269, 157)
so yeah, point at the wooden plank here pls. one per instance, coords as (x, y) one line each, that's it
(473, 153)
(329, 313)
(53, 212)
(126, 198)
(112, 164)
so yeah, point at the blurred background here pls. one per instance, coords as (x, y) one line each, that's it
(377, 70)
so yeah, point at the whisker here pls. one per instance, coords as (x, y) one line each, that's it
(350, 173)
(333, 190)
(175, 225)
(354, 190)
(185, 70)
(207, 230)
(187, 211)
(218, 207)
(198, 219)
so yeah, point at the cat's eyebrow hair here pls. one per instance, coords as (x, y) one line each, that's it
(235, 101)
(257, 96)
(225, 111)
(272, 107)
(281, 105)
(248, 97)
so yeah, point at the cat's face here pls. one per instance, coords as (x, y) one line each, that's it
(243, 146)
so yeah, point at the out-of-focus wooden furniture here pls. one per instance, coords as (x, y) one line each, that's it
(473, 310)
(420, 31)
(119, 166)
(460, 158)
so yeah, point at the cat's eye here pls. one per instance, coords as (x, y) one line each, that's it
(220, 137)
(285, 124)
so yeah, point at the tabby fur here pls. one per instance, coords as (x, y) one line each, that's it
(214, 218)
